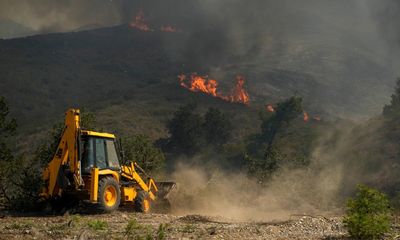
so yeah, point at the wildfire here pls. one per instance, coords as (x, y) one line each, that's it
(305, 116)
(270, 108)
(203, 84)
(168, 28)
(239, 94)
(139, 22)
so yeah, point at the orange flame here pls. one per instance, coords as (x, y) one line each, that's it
(270, 108)
(239, 94)
(210, 86)
(139, 22)
(168, 28)
(305, 116)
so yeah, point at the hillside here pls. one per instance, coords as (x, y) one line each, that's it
(130, 76)
(11, 29)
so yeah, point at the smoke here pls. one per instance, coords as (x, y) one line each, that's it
(45, 16)
(386, 14)
(340, 160)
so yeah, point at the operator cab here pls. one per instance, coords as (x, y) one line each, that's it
(98, 151)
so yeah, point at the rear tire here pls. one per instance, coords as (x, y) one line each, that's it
(109, 195)
(142, 202)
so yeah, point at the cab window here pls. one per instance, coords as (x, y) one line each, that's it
(87, 162)
(111, 154)
(100, 153)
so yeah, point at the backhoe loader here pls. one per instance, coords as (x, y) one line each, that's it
(86, 166)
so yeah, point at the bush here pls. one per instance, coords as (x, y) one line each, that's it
(97, 225)
(132, 227)
(368, 215)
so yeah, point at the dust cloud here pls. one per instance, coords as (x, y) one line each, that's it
(319, 189)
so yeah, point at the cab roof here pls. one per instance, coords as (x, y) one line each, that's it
(98, 134)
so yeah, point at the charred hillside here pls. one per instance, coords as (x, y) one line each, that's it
(336, 74)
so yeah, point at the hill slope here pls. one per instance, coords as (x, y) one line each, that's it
(127, 69)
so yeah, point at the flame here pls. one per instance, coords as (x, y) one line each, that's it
(317, 118)
(210, 86)
(270, 108)
(305, 116)
(182, 78)
(139, 22)
(239, 94)
(168, 28)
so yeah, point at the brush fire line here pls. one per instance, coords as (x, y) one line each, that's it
(198, 83)
(140, 23)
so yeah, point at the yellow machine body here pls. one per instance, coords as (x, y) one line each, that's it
(110, 184)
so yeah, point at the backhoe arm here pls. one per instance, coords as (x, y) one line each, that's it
(65, 158)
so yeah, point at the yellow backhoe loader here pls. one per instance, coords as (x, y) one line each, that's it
(86, 166)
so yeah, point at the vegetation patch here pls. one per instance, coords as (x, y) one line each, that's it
(368, 214)
(97, 225)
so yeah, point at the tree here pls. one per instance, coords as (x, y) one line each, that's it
(368, 214)
(7, 129)
(263, 166)
(393, 109)
(217, 127)
(285, 112)
(185, 129)
(141, 150)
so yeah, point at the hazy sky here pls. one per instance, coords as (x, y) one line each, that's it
(352, 34)
(67, 15)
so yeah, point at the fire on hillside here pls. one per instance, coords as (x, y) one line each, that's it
(139, 22)
(197, 83)
(168, 28)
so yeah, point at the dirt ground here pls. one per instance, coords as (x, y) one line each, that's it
(128, 225)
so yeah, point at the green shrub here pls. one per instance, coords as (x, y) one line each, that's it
(368, 215)
(161, 232)
(132, 227)
(97, 225)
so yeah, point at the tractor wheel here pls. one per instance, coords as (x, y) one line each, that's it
(142, 202)
(109, 196)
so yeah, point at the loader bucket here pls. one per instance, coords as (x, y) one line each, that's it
(162, 204)
(164, 188)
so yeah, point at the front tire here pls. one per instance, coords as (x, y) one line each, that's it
(109, 195)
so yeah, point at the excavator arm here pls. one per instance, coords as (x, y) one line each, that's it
(66, 157)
